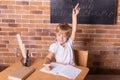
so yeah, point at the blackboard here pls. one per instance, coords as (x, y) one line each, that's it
(92, 11)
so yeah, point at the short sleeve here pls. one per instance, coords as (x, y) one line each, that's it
(52, 48)
(71, 42)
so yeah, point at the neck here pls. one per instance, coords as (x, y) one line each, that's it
(63, 44)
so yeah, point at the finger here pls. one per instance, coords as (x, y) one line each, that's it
(73, 10)
(48, 67)
(77, 6)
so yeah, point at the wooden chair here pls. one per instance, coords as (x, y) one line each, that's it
(81, 57)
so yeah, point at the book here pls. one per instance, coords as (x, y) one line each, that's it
(67, 71)
(20, 73)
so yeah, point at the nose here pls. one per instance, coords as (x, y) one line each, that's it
(61, 37)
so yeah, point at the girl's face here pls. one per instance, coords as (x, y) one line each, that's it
(61, 38)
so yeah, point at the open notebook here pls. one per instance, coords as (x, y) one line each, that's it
(20, 73)
(67, 71)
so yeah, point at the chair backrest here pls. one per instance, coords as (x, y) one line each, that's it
(81, 57)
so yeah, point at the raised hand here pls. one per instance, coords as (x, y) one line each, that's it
(76, 10)
(74, 20)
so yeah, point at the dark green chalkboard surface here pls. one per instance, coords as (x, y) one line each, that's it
(92, 11)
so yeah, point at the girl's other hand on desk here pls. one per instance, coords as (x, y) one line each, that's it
(47, 66)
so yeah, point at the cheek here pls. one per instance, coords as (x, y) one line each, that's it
(57, 38)
(64, 39)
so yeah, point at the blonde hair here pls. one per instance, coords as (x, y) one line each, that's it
(64, 28)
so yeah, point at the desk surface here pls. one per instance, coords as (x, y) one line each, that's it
(38, 75)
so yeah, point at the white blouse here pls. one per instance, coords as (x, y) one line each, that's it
(63, 54)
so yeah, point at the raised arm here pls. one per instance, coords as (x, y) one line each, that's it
(74, 20)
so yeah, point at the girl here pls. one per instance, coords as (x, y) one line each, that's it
(61, 50)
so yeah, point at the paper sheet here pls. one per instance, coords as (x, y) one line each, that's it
(68, 71)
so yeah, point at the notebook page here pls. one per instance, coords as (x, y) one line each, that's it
(70, 72)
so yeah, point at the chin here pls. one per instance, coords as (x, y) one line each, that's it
(61, 43)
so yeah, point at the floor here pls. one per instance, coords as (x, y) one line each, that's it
(102, 77)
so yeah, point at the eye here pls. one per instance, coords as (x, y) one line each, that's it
(64, 36)
(58, 34)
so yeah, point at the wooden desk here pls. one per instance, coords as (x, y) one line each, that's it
(37, 74)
